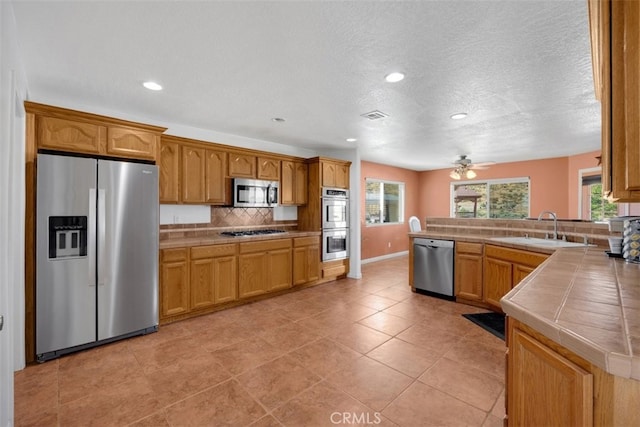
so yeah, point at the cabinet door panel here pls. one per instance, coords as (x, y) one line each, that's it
(300, 265)
(300, 188)
(342, 176)
(175, 288)
(497, 281)
(279, 269)
(132, 143)
(242, 165)
(169, 167)
(215, 177)
(537, 378)
(268, 169)
(287, 183)
(193, 164)
(225, 279)
(469, 276)
(252, 272)
(328, 174)
(313, 263)
(202, 289)
(69, 135)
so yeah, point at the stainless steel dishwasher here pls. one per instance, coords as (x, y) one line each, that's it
(433, 267)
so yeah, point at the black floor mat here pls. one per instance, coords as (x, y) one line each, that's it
(492, 322)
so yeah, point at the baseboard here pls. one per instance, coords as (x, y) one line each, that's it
(383, 257)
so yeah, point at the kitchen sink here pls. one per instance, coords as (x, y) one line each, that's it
(533, 241)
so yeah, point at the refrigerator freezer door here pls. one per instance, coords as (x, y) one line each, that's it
(65, 253)
(128, 247)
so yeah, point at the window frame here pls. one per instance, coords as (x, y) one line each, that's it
(489, 182)
(401, 212)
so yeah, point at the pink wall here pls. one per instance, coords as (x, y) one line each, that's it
(548, 186)
(577, 162)
(376, 239)
(554, 186)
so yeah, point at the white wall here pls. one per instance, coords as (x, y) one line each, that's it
(13, 86)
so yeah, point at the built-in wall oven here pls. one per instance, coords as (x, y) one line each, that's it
(335, 223)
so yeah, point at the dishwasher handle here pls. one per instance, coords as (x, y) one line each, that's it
(433, 243)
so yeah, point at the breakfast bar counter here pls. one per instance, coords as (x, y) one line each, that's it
(586, 302)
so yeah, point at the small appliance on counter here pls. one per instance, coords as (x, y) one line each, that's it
(631, 240)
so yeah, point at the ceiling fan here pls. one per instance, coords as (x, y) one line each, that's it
(464, 168)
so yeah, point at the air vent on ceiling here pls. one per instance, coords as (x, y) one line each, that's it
(375, 115)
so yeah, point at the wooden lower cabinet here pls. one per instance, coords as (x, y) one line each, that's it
(468, 271)
(264, 266)
(213, 275)
(194, 279)
(544, 387)
(306, 260)
(504, 268)
(174, 280)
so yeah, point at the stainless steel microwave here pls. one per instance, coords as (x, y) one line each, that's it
(255, 193)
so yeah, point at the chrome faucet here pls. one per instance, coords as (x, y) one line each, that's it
(555, 222)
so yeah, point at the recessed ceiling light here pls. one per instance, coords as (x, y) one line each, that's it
(458, 116)
(351, 140)
(152, 85)
(394, 77)
(277, 119)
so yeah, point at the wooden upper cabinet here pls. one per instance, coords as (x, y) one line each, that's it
(215, 177)
(335, 175)
(192, 173)
(293, 183)
(615, 44)
(268, 169)
(242, 165)
(169, 167)
(61, 129)
(69, 135)
(128, 142)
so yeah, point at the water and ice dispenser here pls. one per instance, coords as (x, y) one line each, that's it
(67, 237)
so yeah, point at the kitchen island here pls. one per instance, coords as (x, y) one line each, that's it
(574, 342)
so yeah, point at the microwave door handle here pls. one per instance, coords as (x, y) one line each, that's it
(269, 195)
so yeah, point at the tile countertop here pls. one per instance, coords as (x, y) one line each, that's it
(586, 302)
(216, 239)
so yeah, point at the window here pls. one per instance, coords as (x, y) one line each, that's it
(491, 199)
(596, 207)
(384, 202)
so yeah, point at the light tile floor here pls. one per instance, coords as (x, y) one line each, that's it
(351, 352)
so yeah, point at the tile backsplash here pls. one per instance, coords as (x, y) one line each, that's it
(574, 231)
(227, 218)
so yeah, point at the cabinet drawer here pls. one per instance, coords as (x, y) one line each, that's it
(469, 248)
(305, 241)
(178, 254)
(515, 255)
(334, 268)
(212, 251)
(264, 246)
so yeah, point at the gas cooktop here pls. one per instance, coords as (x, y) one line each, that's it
(250, 232)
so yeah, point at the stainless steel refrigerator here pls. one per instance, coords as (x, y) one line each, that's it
(97, 252)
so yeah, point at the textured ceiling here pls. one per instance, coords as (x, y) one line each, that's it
(520, 69)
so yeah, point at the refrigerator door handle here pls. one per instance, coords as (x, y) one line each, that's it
(102, 220)
(91, 237)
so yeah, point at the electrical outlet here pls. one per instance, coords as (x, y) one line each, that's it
(389, 244)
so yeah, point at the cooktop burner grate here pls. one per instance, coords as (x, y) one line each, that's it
(250, 232)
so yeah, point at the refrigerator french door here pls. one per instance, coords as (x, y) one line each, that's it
(96, 252)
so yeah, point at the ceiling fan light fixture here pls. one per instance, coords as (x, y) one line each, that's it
(458, 116)
(470, 174)
(454, 174)
(394, 77)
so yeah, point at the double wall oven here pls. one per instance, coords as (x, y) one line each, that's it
(335, 223)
